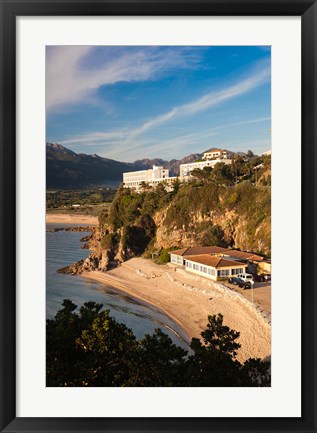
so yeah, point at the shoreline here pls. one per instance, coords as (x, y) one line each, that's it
(61, 218)
(113, 284)
(188, 301)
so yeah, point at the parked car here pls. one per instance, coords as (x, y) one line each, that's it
(246, 277)
(258, 278)
(234, 280)
(245, 284)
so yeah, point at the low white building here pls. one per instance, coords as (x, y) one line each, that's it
(213, 267)
(186, 169)
(214, 262)
(178, 256)
(152, 177)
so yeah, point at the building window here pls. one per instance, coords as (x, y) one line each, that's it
(236, 271)
(223, 272)
(180, 260)
(211, 271)
(173, 259)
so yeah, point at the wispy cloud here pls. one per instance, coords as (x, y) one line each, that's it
(159, 148)
(242, 122)
(69, 80)
(130, 138)
(153, 148)
(207, 101)
(95, 137)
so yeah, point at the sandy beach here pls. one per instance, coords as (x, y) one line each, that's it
(71, 219)
(188, 300)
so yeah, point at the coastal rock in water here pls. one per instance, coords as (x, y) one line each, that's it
(96, 261)
(72, 229)
(86, 238)
(73, 269)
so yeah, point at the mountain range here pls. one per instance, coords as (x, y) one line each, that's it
(66, 169)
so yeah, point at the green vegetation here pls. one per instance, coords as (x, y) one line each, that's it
(226, 190)
(90, 348)
(83, 197)
(164, 257)
(212, 235)
(131, 215)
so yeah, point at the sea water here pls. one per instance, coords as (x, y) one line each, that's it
(64, 248)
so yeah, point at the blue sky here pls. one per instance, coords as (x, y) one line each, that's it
(128, 103)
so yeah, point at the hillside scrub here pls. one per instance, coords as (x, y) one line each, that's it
(131, 216)
(238, 216)
(227, 206)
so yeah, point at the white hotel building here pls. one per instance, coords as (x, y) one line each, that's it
(152, 177)
(158, 174)
(186, 169)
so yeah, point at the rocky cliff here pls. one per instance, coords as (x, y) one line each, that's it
(98, 259)
(236, 232)
(217, 208)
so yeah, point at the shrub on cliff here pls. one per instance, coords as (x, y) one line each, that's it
(90, 348)
(128, 205)
(164, 256)
(212, 235)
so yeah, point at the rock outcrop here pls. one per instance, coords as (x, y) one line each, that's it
(235, 229)
(98, 259)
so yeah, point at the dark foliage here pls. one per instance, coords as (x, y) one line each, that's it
(132, 214)
(90, 348)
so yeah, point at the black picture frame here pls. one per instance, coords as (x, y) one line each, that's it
(10, 9)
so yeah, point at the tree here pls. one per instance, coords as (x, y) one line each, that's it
(164, 255)
(220, 337)
(176, 186)
(145, 186)
(213, 362)
(90, 348)
(159, 362)
(222, 174)
(202, 174)
(61, 354)
(87, 349)
(108, 348)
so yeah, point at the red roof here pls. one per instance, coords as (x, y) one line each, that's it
(213, 261)
(192, 251)
(242, 255)
(215, 150)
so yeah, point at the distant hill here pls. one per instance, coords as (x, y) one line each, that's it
(67, 169)
(172, 165)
